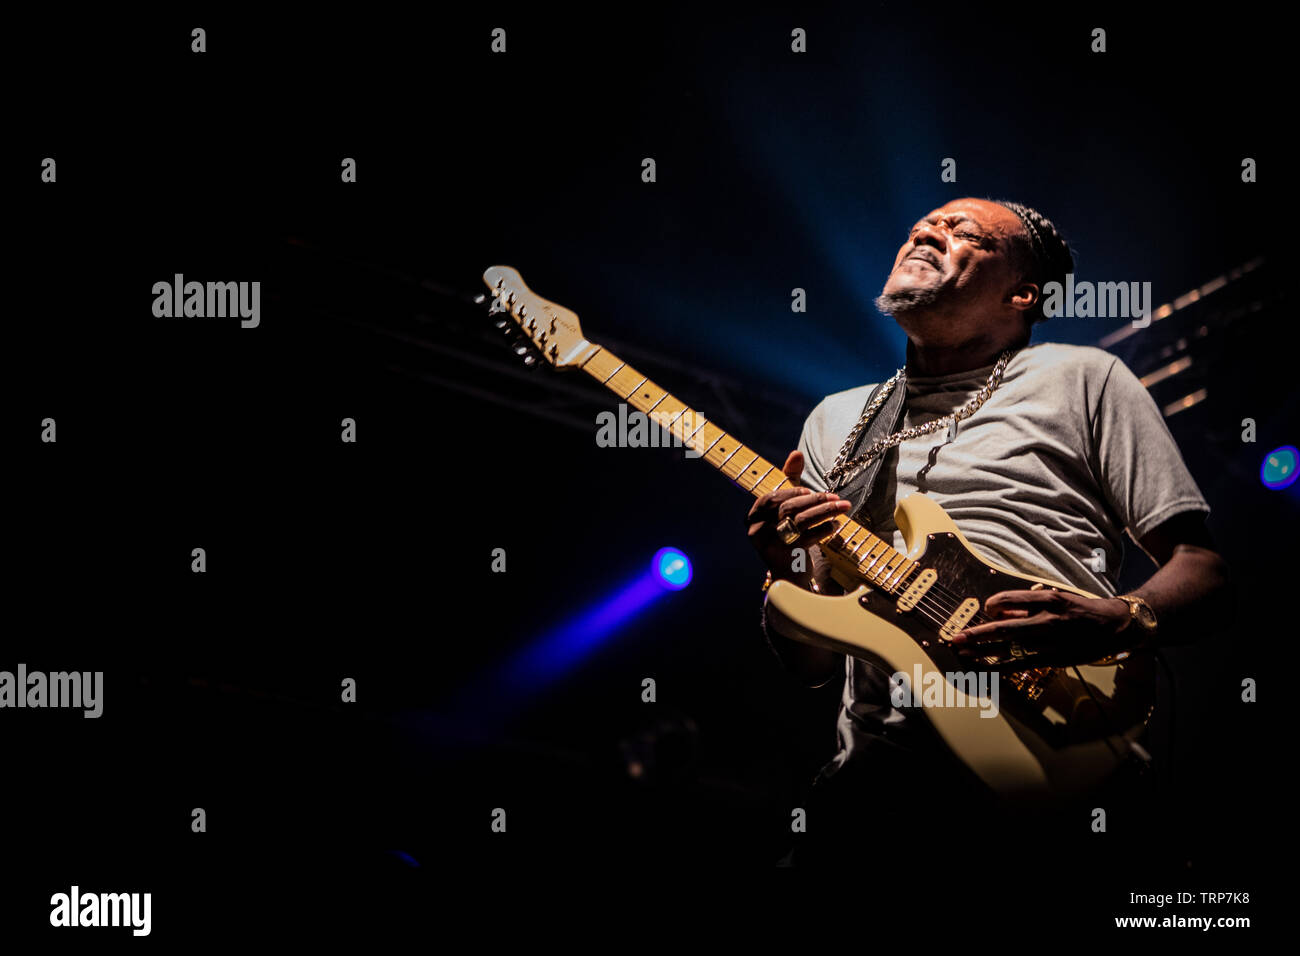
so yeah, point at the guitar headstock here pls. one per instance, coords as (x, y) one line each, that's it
(545, 329)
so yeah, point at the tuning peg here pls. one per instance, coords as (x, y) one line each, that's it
(528, 355)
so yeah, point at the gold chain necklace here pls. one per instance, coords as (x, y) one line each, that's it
(849, 469)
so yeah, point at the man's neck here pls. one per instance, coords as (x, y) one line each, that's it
(930, 361)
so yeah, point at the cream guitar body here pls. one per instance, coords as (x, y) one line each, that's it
(1055, 730)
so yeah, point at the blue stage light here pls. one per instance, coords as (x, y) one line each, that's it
(1279, 468)
(562, 649)
(673, 568)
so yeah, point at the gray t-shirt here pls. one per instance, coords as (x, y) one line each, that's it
(1067, 453)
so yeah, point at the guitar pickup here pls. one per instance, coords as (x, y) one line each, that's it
(960, 618)
(916, 589)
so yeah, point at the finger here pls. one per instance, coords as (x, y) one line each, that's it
(815, 535)
(767, 508)
(791, 507)
(1021, 628)
(793, 467)
(1005, 599)
(785, 494)
(1011, 603)
(810, 516)
(762, 510)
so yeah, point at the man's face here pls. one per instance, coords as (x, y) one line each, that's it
(955, 277)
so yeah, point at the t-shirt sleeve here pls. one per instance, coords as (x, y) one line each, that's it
(1139, 466)
(810, 443)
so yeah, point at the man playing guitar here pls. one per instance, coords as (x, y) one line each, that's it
(1058, 450)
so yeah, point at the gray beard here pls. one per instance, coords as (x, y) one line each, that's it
(895, 303)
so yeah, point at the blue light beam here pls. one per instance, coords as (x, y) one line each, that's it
(563, 649)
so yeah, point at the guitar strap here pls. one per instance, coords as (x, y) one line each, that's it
(887, 421)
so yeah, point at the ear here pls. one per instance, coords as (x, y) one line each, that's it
(1024, 296)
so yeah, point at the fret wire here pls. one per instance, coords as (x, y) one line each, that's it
(890, 585)
(733, 452)
(867, 570)
(890, 568)
(871, 551)
(878, 577)
(747, 464)
(760, 480)
(721, 435)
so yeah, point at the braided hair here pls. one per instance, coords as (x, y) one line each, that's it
(1042, 253)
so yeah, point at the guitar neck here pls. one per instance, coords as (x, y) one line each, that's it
(870, 557)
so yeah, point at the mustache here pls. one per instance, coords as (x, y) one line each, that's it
(925, 256)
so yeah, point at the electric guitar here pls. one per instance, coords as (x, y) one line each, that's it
(1053, 731)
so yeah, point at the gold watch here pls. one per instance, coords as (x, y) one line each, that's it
(1139, 611)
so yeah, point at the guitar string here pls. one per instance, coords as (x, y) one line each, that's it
(947, 610)
(922, 602)
(939, 621)
(928, 610)
(936, 587)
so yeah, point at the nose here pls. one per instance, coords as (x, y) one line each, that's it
(930, 236)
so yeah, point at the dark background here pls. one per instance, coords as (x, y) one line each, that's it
(372, 560)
